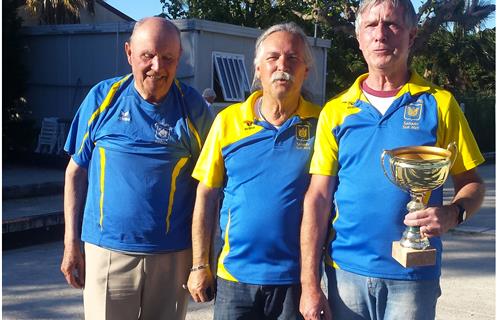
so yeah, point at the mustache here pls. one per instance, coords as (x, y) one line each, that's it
(281, 75)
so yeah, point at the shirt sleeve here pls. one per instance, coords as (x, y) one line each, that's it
(454, 127)
(325, 154)
(210, 167)
(80, 143)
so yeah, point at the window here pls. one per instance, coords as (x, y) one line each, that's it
(230, 76)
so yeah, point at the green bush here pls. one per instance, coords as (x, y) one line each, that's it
(18, 127)
(480, 113)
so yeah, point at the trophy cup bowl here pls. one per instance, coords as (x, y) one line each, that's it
(417, 170)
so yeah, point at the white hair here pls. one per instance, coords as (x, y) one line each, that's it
(291, 28)
(208, 92)
(409, 15)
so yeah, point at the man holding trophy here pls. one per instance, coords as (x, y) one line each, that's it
(375, 270)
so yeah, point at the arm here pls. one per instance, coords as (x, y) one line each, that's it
(435, 221)
(317, 206)
(73, 263)
(200, 280)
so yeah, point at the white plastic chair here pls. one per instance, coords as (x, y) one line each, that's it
(48, 137)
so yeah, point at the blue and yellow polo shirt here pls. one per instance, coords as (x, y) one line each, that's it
(264, 175)
(369, 209)
(140, 158)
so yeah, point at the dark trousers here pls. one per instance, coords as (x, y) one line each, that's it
(241, 301)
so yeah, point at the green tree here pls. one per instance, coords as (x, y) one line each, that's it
(465, 15)
(339, 16)
(14, 71)
(454, 48)
(253, 13)
(16, 123)
(473, 53)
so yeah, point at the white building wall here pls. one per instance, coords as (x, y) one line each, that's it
(65, 61)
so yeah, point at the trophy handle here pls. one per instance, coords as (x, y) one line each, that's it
(452, 147)
(382, 160)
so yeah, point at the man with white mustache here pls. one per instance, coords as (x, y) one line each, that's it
(281, 75)
(257, 152)
(133, 144)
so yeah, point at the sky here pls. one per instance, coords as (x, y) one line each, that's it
(145, 8)
(137, 9)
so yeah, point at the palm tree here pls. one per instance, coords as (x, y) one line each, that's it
(58, 11)
(465, 15)
(452, 38)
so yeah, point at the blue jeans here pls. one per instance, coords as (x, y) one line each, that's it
(356, 297)
(241, 301)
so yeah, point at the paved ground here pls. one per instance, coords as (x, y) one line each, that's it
(33, 287)
(468, 278)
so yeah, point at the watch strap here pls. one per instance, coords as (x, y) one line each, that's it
(462, 214)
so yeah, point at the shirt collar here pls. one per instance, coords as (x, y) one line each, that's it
(305, 109)
(414, 86)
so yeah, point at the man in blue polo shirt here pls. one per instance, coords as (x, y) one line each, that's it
(258, 152)
(133, 144)
(389, 107)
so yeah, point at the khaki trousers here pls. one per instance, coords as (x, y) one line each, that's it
(121, 286)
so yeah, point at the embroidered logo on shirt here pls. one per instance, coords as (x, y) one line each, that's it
(163, 132)
(412, 115)
(351, 108)
(249, 125)
(124, 116)
(303, 136)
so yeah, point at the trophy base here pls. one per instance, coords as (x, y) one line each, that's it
(409, 257)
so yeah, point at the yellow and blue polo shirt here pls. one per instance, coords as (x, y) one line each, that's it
(140, 158)
(264, 174)
(369, 209)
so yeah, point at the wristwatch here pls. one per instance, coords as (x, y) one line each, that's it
(462, 213)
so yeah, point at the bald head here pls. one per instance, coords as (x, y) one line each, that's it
(154, 51)
(157, 23)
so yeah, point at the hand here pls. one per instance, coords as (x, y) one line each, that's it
(73, 265)
(433, 221)
(201, 285)
(314, 305)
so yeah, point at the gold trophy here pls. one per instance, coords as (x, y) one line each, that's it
(417, 170)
